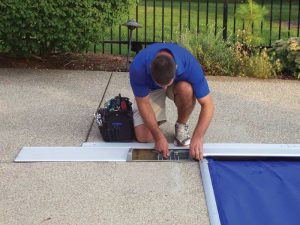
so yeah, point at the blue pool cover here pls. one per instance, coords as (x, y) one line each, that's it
(257, 192)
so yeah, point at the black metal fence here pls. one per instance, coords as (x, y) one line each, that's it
(164, 20)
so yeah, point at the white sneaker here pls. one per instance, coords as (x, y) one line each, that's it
(182, 137)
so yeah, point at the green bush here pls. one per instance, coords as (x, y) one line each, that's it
(288, 53)
(211, 50)
(41, 27)
(252, 61)
(257, 65)
(221, 57)
(251, 13)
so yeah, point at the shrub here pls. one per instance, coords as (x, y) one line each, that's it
(40, 27)
(221, 57)
(257, 65)
(211, 50)
(254, 62)
(288, 53)
(251, 13)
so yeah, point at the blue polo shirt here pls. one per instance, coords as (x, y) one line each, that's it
(188, 69)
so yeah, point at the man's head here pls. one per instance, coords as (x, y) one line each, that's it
(163, 69)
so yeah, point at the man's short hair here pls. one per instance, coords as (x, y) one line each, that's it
(163, 69)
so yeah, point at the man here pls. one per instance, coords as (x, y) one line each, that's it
(166, 69)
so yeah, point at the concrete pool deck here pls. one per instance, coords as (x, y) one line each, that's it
(56, 107)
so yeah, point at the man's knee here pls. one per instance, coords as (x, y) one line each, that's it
(142, 134)
(184, 94)
(183, 88)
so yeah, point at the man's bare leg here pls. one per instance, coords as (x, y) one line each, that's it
(184, 101)
(143, 134)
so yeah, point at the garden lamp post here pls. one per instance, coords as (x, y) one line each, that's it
(131, 25)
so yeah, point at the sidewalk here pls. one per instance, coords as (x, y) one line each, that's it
(247, 110)
(55, 108)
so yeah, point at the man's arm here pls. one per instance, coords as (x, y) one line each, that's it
(150, 121)
(207, 110)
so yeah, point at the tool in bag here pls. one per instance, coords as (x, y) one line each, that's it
(115, 120)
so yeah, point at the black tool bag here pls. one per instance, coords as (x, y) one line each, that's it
(115, 120)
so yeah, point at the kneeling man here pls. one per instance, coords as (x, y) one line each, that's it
(167, 70)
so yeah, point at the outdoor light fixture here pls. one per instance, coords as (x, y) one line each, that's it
(131, 25)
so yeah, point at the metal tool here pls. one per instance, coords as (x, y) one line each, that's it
(153, 155)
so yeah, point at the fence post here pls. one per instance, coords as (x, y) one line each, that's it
(225, 17)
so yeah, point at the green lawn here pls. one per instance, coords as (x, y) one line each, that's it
(155, 31)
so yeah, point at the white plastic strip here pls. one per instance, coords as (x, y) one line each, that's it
(32, 154)
(252, 150)
(119, 151)
(209, 193)
(219, 149)
(126, 145)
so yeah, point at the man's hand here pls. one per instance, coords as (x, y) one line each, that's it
(149, 119)
(207, 110)
(196, 148)
(162, 146)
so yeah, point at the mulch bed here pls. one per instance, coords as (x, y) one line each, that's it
(88, 61)
(69, 61)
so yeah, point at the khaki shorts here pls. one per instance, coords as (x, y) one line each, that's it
(158, 103)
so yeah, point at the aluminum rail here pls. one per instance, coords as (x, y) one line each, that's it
(219, 149)
(209, 194)
(119, 151)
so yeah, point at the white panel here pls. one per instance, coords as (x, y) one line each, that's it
(218, 149)
(30, 154)
(118, 151)
(245, 149)
(126, 145)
